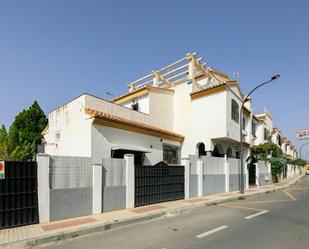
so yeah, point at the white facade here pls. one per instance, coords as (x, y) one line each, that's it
(198, 112)
(71, 132)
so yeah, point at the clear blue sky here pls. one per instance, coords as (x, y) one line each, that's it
(52, 51)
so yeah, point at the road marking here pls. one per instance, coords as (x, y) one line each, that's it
(257, 214)
(241, 207)
(202, 235)
(292, 197)
(255, 202)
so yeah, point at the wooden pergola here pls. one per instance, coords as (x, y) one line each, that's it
(184, 69)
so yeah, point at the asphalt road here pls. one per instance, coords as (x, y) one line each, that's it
(274, 220)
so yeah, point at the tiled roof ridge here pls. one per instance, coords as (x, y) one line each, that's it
(113, 117)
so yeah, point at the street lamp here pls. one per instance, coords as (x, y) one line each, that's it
(242, 185)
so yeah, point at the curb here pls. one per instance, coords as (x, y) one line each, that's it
(61, 236)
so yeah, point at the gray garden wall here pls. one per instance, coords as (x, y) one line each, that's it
(263, 170)
(70, 187)
(213, 175)
(193, 188)
(114, 188)
(234, 177)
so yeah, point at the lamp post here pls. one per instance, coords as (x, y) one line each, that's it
(301, 147)
(242, 185)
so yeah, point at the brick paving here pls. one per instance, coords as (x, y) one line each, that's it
(196, 200)
(69, 223)
(147, 209)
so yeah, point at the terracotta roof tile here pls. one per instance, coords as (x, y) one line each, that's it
(208, 87)
(113, 117)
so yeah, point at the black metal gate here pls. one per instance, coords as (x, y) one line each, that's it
(18, 195)
(158, 183)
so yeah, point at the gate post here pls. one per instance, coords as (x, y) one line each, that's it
(97, 188)
(43, 187)
(199, 178)
(227, 174)
(257, 175)
(186, 163)
(130, 180)
(246, 180)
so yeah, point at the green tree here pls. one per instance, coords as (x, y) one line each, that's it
(271, 153)
(24, 135)
(4, 154)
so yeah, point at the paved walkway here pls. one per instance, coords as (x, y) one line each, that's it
(70, 228)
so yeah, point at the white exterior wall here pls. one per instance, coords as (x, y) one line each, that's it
(119, 110)
(260, 126)
(105, 138)
(207, 120)
(269, 123)
(74, 127)
(232, 126)
(182, 108)
(143, 103)
(161, 109)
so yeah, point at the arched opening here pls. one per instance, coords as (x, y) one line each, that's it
(229, 152)
(217, 151)
(201, 149)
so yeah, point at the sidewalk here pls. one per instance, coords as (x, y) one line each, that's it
(29, 236)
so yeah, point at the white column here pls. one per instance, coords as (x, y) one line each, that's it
(186, 163)
(130, 180)
(257, 175)
(246, 176)
(199, 178)
(97, 188)
(43, 187)
(227, 174)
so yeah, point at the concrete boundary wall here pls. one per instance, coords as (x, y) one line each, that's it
(70, 203)
(193, 181)
(70, 187)
(114, 184)
(263, 169)
(214, 175)
(70, 172)
(234, 174)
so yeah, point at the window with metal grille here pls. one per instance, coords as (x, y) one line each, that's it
(253, 129)
(235, 111)
(171, 154)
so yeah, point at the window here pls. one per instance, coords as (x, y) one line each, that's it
(243, 123)
(237, 154)
(253, 129)
(171, 154)
(279, 141)
(57, 135)
(201, 149)
(235, 111)
(265, 134)
(135, 106)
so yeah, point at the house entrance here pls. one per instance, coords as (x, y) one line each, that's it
(252, 174)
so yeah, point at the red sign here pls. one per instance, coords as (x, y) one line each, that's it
(302, 134)
(2, 170)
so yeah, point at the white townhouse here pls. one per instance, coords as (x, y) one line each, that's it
(265, 133)
(179, 110)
